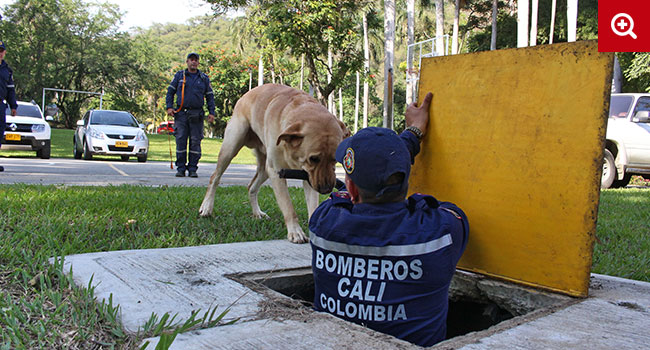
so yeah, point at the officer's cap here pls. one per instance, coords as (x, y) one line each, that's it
(371, 156)
(2, 45)
(193, 54)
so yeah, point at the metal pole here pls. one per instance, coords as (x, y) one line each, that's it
(43, 105)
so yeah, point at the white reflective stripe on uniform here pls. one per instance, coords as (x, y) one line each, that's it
(390, 250)
(195, 152)
(11, 86)
(210, 93)
(172, 87)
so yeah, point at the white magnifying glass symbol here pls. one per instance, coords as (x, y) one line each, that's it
(623, 24)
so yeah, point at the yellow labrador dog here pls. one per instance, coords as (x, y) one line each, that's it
(286, 129)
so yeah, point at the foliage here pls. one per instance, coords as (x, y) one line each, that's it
(479, 23)
(75, 45)
(310, 28)
(636, 70)
(230, 75)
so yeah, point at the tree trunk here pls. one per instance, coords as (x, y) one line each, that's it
(341, 104)
(572, 19)
(440, 27)
(552, 30)
(366, 66)
(495, 12)
(454, 38)
(522, 23)
(356, 106)
(302, 70)
(330, 97)
(410, 25)
(260, 72)
(617, 77)
(389, 60)
(533, 23)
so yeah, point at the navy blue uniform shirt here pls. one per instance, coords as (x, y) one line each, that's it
(388, 266)
(7, 88)
(197, 87)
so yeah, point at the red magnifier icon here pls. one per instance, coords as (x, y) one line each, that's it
(623, 24)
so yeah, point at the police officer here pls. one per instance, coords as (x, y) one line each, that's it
(190, 86)
(7, 93)
(380, 259)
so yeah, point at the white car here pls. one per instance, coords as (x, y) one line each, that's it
(28, 130)
(627, 148)
(108, 132)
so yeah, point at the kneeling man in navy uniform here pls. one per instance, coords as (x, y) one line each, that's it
(380, 259)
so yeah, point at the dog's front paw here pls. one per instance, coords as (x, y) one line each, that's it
(260, 215)
(296, 235)
(206, 209)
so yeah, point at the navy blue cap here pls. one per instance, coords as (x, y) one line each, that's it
(2, 45)
(371, 156)
(193, 54)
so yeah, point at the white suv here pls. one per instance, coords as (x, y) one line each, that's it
(627, 148)
(28, 130)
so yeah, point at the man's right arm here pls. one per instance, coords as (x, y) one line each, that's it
(171, 91)
(419, 118)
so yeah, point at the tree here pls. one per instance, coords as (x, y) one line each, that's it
(440, 27)
(389, 61)
(72, 45)
(495, 11)
(311, 28)
(229, 77)
(522, 23)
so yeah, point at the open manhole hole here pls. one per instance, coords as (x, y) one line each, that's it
(475, 303)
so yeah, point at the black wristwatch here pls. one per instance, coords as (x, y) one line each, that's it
(416, 131)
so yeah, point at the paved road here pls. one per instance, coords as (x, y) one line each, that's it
(108, 172)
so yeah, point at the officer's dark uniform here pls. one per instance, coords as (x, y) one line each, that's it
(189, 120)
(7, 94)
(387, 266)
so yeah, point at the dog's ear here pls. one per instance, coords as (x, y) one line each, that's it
(346, 132)
(292, 135)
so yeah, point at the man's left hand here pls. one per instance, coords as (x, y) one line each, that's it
(13, 112)
(210, 118)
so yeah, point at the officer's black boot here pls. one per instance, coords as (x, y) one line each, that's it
(180, 173)
(2, 168)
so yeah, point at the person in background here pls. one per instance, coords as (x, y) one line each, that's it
(191, 87)
(7, 93)
(378, 258)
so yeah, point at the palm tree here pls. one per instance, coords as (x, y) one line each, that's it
(552, 30)
(533, 23)
(454, 36)
(389, 51)
(522, 23)
(572, 19)
(366, 66)
(440, 27)
(495, 11)
(410, 24)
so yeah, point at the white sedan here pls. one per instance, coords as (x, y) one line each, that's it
(105, 132)
(28, 130)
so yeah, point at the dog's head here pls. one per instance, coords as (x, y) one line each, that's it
(313, 146)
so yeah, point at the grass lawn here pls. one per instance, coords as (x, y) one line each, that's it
(158, 148)
(40, 308)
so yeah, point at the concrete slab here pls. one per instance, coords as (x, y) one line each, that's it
(180, 280)
(318, 332)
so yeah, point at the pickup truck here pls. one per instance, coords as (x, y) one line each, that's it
(627, 146)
